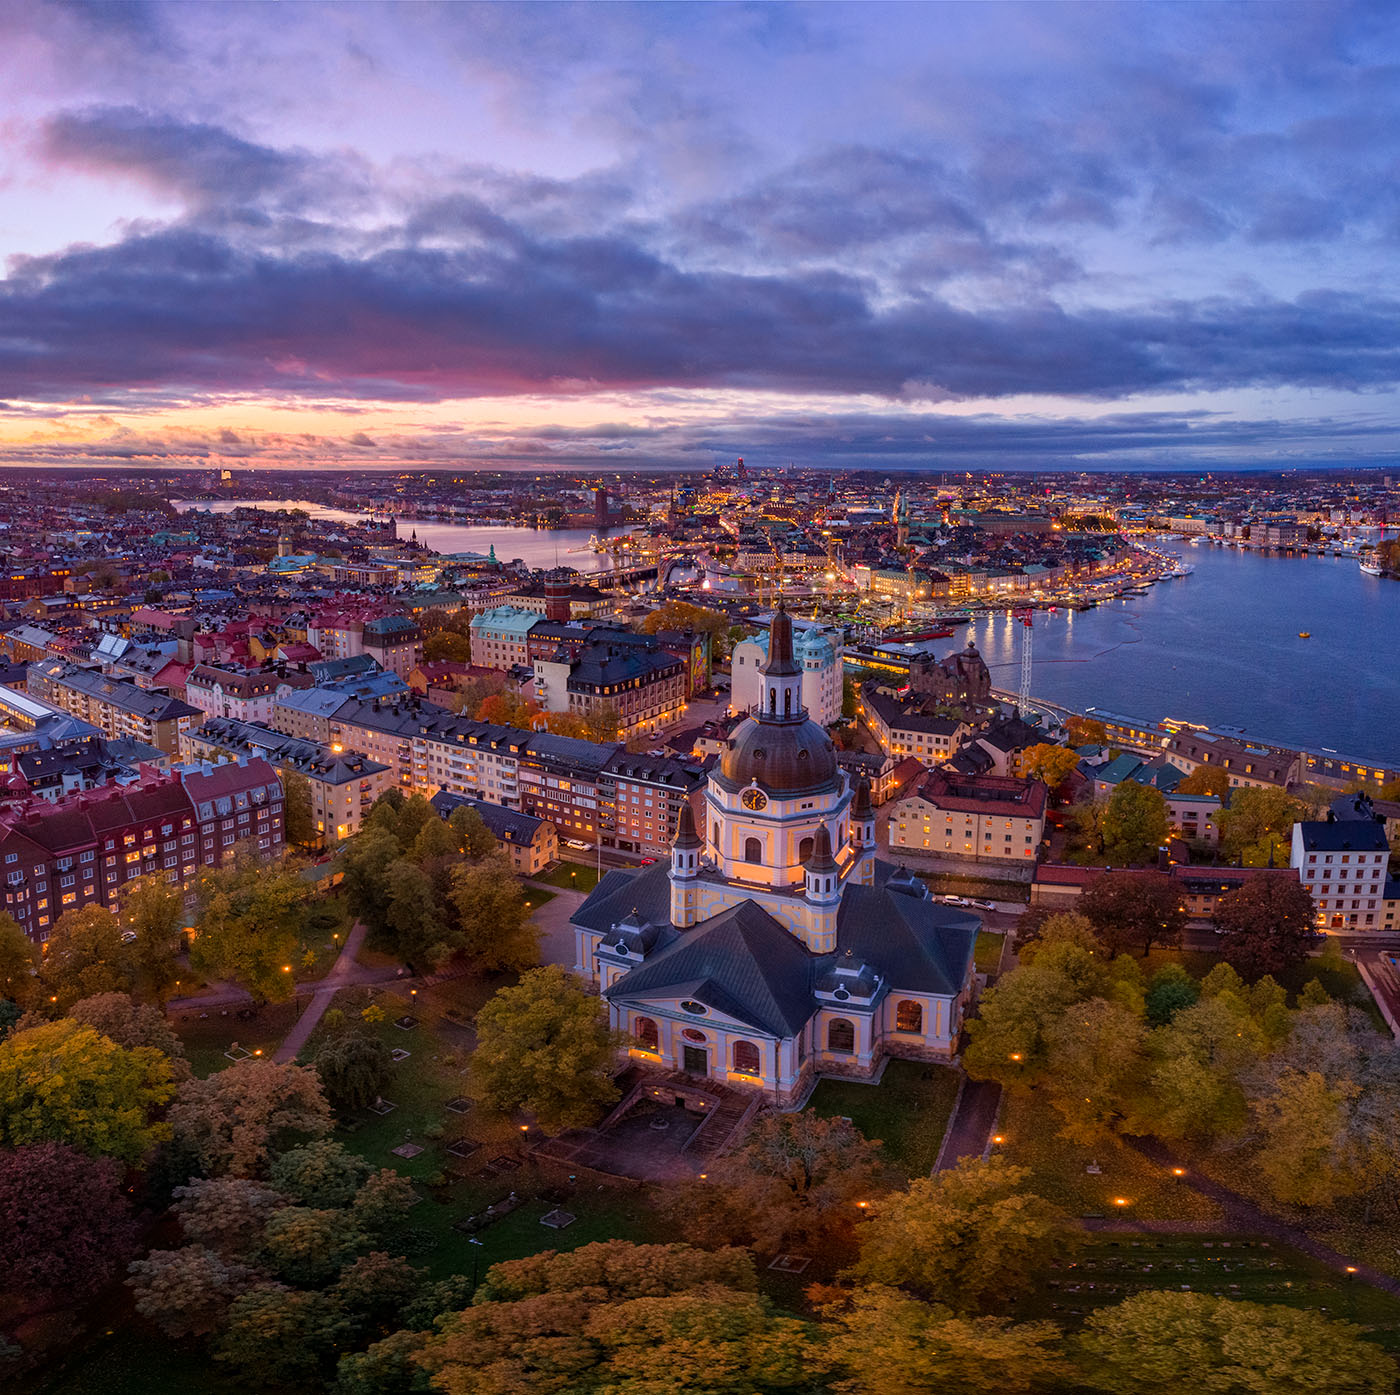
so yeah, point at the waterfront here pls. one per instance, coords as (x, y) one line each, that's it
(1222, 647)
(536, 547)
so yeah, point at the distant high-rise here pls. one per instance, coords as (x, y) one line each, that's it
(600, 506)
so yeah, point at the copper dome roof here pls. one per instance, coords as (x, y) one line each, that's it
(784, 758)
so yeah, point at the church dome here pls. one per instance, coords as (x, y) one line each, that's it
(784, 758)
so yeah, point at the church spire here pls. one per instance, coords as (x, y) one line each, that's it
(782, 675)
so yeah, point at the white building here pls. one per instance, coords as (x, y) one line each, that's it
(775, 946)
(1343, 863)
(819, 651)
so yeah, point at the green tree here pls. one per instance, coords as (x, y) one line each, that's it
(969, 1239)
(307, 1246)
(299, 812)
(1095, 1061)
(1257, 826)
(250, 922)
(278, 1336)
(888, 1343)
(383, 1202)
(323, 1174)
(366, 864)
(1199, 1058)
(63, 1082)
(1170, 990)
(354, 1068)
(446, 645)
(19, 960)
(154, 911)
(497, 930)
(436, 839)
(797, 1180)
(1135, 823)
(543, 1046)
(414, 925)
(473, 837)
(1267, 925)
(1303, 1137)
(1133, 910)
(237, 1119)
(390, 1367)
(85, 956)
(187, 1292)
(1170, 1342)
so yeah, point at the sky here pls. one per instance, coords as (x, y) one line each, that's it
(607, 236)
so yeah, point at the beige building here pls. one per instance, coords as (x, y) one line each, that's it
(985, 818)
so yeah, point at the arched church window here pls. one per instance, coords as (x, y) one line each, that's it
(747, 1061)
(908, 1016)
(804, 849)
(840, 1036)
(787, 702)
(753, 850)
(715, 838)
(773, 701)
(647, 1033)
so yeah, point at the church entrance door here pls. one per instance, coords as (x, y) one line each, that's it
(695, 1060)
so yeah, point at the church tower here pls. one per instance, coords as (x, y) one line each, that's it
(863, 834)
(685, 868)
(901, 521)
(822, 891)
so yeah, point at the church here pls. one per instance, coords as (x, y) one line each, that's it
(776, 946)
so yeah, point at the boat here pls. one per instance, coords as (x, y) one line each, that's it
(1304, 634)
(1371, 569)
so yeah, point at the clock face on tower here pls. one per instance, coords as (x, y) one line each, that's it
(755, 800)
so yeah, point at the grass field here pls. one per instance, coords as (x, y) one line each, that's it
(207, 1038)
(570, 876)
(908, 1111)
(988, 952)
(1059, 1170)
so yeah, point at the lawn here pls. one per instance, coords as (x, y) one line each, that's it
(1115, 1265)
(570, 876)
(1031, 1130)
(984, 888)
(908, 1111)
(988, 952)
(210, 1032)
(535, 897)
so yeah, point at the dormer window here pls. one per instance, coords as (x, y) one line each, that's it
(694, 1009)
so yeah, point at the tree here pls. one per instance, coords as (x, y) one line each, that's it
(1135, 823)
(1094, 1064)
(1039, 927)
(375, 1289)
(1206, 779)
(187, 1292)
(226, 1214)
(1086, 731)
(506, 710)
(323, 1174)
(383, 1201)
(1257, 825)
(566, 724)
(309, 1246)
(602, 722)
(969, 1238)
(797, 1180)
(1133, 910)
(1086, 818)
(84, 956)
(1053, 764)
(299, 811)
(497, 931)
(473, 837)
(413, 923)
(1170, 990)
(435, 840)
(63, 1082)
(234, 1121)
(67, 1224)
(154, 911)
(891, 1344)
(544, 1047)
(366, 864)
(250, 923)
(1199, 1059)
(119, 1018)
(620, 1317)
(354, 1068)
(1169, 1342)
(278, 1336)
(682, 615)
(1267, 925)
(390, 1367)
(19, 958)
(447, 645)
(1303, 1145)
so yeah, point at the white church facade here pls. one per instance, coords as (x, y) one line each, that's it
(775, 945)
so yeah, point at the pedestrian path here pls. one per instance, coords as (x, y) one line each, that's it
(970, 1129)
(342, 975)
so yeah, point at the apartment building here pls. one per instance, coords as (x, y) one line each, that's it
(84, 850)
(500, 637)
(984, 818)
(1343, 862)
(819, 650)
(646, 686)
(116, 708)
(245, 697)
(1255, 766)
(902, 728)
(562, 780)
(344, 784)
(642, 800)
(531, 844)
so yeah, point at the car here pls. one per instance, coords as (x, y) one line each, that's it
(955, 900)
(574, 843)
(648, 862)
(980, 905)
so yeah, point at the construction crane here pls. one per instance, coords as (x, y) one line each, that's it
(1027, 617)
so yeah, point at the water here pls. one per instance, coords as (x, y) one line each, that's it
(1222, 647)
(536, 547)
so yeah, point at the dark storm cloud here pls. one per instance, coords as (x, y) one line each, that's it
(184, 309)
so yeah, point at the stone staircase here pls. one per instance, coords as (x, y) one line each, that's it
(723, 1126)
